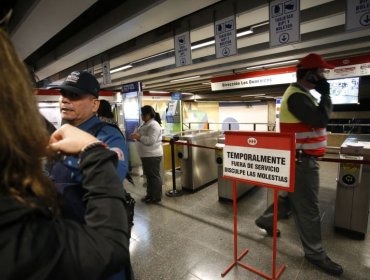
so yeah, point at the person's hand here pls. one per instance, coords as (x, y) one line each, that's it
(323, 87)
(135, 136)
(70, 140)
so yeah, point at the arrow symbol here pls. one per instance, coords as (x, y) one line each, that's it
(365, 19)
(283, 38)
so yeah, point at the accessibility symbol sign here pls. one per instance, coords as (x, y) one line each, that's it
(225, 37)
(284, 22)
(357, 14)
(226, 52)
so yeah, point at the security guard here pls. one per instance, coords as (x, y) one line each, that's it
(78, 106)
(301, 114)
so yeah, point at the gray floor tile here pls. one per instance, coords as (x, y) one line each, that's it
(190, 237)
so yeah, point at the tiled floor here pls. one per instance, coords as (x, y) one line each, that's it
(191, 237)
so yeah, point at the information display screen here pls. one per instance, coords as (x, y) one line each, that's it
(342, 91)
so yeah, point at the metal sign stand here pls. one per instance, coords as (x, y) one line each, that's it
(237, 259)
(244, 153)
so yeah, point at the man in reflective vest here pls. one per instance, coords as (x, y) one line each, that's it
(301, 114)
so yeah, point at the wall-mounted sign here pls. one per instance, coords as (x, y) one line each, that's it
(225, 37)
(357, 14)
(354, 70)
(351, 67)
(183, 49)
(277, 79)
(284, 22)
(131, 87)
(264, 159)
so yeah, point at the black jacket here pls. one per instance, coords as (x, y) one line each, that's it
(34, 245)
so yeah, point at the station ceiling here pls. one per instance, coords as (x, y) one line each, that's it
(56, 37)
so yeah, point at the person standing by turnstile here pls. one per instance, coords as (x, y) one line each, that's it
(301, 114)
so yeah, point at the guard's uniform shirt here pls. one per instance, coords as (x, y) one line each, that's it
(68, 178)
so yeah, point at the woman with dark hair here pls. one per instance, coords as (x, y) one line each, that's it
(36, 243)
(105, 112)
(149, 146)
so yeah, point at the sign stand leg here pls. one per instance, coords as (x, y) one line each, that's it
(237, 259)
(275, 274)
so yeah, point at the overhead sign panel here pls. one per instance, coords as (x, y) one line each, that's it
(106, 71)
(90, 67)
(131, 87)
(225, 37)
(284, 22)
(358, 14)
(183, 49)
(264, 159)
(270, 80)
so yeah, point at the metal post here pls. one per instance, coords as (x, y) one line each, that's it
(174, 192)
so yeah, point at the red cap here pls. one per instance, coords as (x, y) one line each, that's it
(314, 60)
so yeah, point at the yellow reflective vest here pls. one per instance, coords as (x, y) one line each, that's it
(310, 140)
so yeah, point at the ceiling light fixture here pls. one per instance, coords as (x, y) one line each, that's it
(205, 44)
(252, 95)
(183, 79)
(152, 56)
(273, 64)
(158, 92)
(198, 46)
(128, 66)
(247, 32)
(252, 101)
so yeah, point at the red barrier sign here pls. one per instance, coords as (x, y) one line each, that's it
(261, 158)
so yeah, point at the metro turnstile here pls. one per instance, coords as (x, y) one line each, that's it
(352, 201)
(225, 190)
(198, 167)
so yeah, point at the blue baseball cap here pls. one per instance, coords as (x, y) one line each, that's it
(80, 83)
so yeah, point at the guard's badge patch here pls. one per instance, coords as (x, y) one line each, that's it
(119, 152)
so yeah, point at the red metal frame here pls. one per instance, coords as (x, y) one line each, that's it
(267, 140)
(237, 259)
